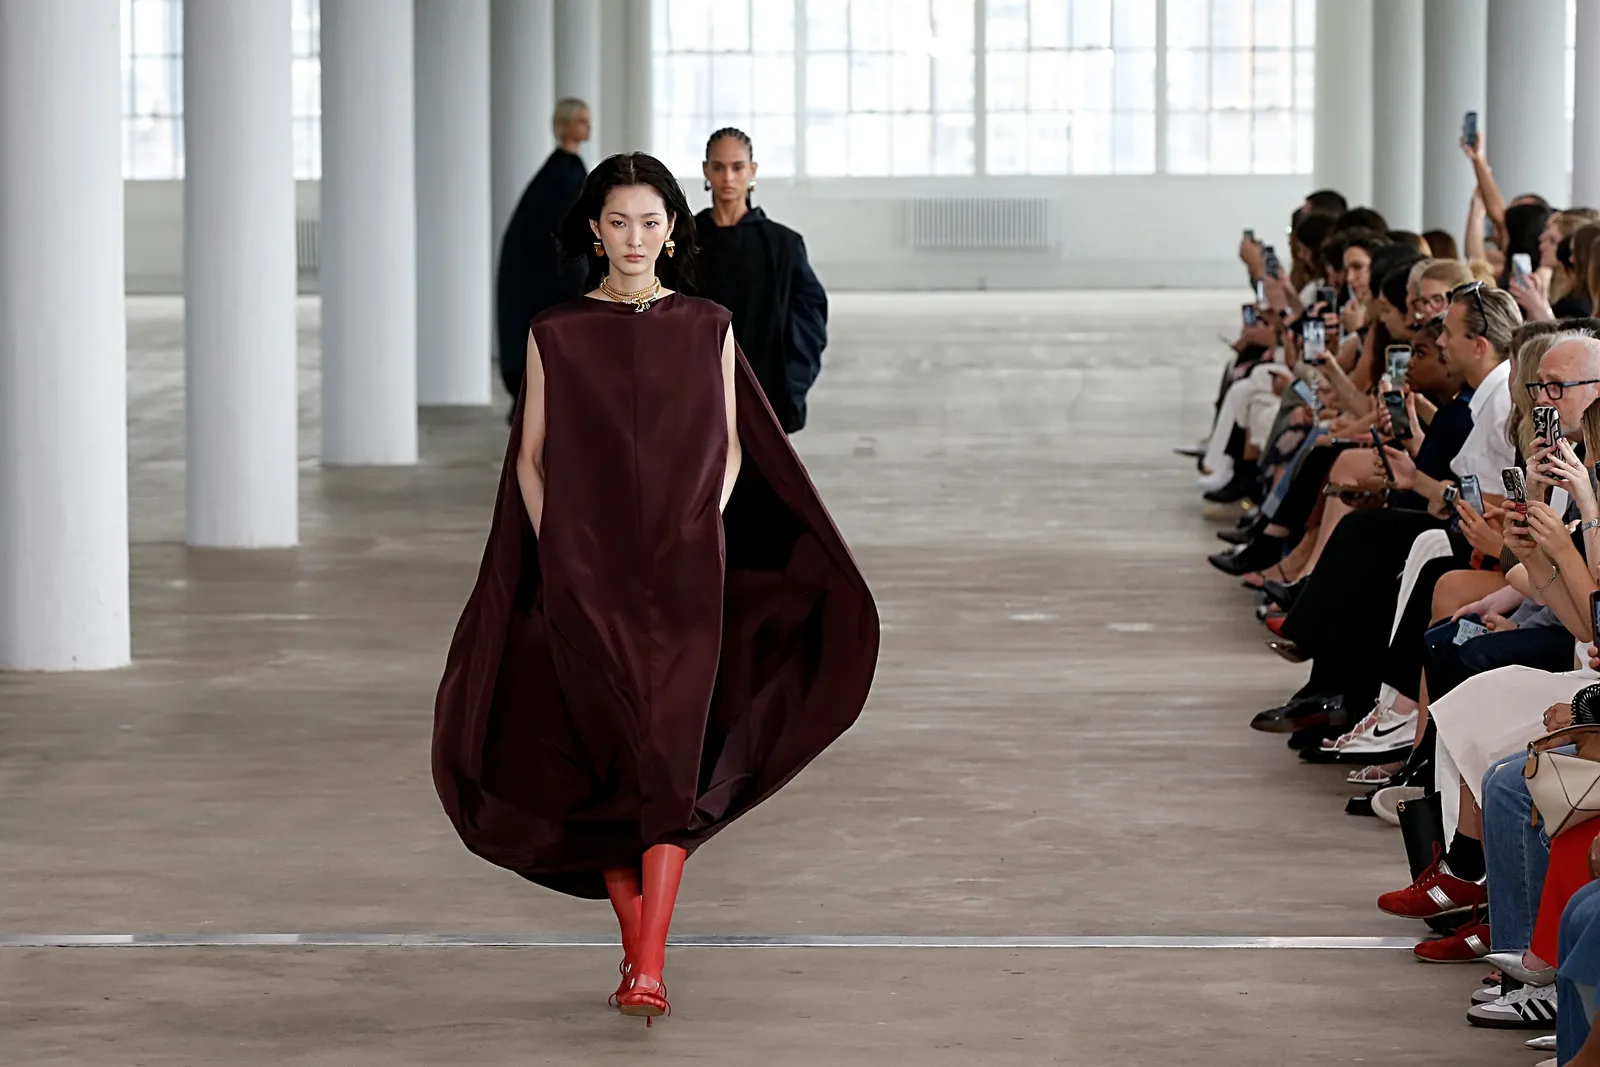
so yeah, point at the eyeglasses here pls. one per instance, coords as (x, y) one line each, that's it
(1476, 289)
(1556, 389)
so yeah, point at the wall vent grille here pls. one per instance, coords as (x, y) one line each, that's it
(308, 245)
(1011, 224)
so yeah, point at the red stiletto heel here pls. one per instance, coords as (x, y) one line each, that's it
(625, 968)
(645, 998)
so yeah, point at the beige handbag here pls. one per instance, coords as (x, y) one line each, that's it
(1565, 786)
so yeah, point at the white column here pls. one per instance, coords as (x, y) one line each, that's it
(454, 244)
(578, 65)
(63, 354)
(240, 401)
(1343, 143)
(369, 234)
(1526, 88)
(1586, 108)
(1397, 112)
(640, 101)
(1454, 49)
(523, 86)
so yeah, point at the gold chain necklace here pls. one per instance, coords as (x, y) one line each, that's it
(640, 300)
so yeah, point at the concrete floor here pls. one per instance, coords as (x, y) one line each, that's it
(1056, 745)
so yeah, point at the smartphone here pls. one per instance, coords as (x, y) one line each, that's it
(1269, 259)
(1399, 418)
(1328, 295)
(1469, 129)
(1249, 314)
(1377, 442)
(1522, 265)
(1249, 235)
(1467, 629)
(1547, 424)
(1305, 392)
(1472, 492)
(1516, 484)
(1261, 293)
(1399, 359)
(1314, 337)
(1594, 612)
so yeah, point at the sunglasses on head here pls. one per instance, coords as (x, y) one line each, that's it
(1476, 289)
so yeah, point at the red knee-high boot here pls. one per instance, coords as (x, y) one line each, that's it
(623, 887)
(646, 994)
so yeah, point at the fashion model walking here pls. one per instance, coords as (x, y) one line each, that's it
(759, 271)
(667, 626)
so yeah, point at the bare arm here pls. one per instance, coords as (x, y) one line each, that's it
(730, 372)
(530, 453)
(1494, 202)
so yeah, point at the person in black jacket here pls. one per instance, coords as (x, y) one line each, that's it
(758, 270)
(532, 276)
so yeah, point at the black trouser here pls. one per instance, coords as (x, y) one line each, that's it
(1306, 488)
(1344, 615)
(1545, 648)
(1403, 664)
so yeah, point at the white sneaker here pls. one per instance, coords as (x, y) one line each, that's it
(1365, 726)
(1392, 731)
(1487, 995)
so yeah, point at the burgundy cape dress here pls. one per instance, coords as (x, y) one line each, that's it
(646, 670)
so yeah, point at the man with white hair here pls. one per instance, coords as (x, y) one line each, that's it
(532, 276)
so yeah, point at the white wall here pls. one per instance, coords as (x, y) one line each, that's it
(1114, 232)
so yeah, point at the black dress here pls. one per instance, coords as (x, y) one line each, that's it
(532, 276)
(758, 270)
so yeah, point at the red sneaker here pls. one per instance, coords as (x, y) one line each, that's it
(1467, 945)
(1435, 892)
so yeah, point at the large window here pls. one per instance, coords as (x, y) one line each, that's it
(889, 87)
(1071, 86)
(1239, 86)
(152, 89)
(307, 79)
(724, 63)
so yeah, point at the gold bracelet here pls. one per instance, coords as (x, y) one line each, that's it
(1555, 572)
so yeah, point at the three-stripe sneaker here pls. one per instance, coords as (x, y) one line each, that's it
(1519, 1008)
(1436, 891)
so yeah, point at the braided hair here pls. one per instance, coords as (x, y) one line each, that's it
(738, 135)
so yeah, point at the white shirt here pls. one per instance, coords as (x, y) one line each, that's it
(1487, 450)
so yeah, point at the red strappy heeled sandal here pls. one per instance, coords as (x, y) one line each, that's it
(625, 968)
(645, 997)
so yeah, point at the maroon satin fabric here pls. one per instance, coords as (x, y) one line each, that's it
(649, 669)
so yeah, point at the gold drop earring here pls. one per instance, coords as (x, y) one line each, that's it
(672, 248)
(599, 250)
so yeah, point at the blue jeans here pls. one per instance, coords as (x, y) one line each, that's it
(1516, 854)
(1580, 969)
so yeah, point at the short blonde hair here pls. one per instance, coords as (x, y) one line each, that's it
(1451, 271)
(567, 109)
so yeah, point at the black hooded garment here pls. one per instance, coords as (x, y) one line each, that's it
(758, 270)
(532, 276)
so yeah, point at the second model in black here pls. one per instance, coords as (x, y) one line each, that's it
(758, 270)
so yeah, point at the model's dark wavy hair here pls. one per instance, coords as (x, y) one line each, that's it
(620, 172)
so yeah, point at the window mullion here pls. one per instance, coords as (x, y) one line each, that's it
(1161, 87)
(801, 109)
(980, 88)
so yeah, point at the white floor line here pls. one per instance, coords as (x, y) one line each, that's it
(356, 940)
